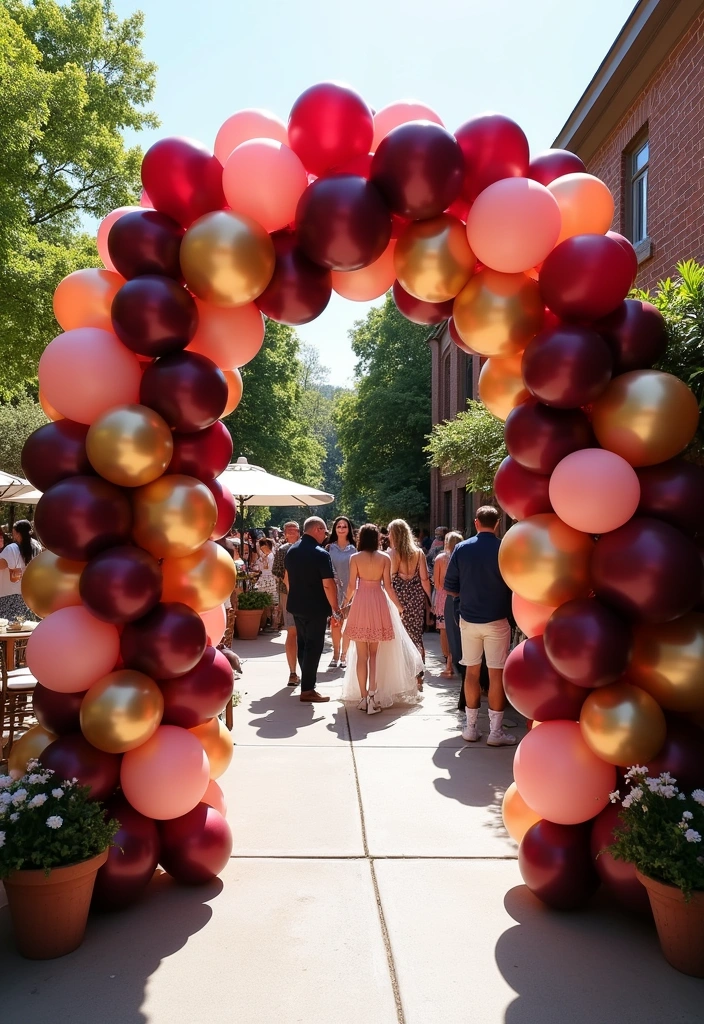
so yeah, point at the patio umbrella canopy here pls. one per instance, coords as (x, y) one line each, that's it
(252, 485)
(17, 489)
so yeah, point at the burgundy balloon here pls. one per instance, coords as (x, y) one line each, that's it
(520, 492)
(342, 222)
(538, 437)
(154, 316)
(585, 277)
(200, 694)
(204, 454)
(168, 642)
(196, 847)
(493, 147)
(73, 756)
(131, 861)
(628, 248)
(556, 864)
(567, 366)
(146, 242)
(418, 311)
(182, 179)
(299, 290)
(54, 452)
(188, 390)
(553, 163)
(329, 124)
(682, 754)
(226, 505)
(648, 570)
(121, 584)
(57, 712)
(419, 169)
(618, 876)
(361, 165)
(636, 333)
(588, 643)
(82, 516)
(455, 335)
(673, 491)
(535, 689)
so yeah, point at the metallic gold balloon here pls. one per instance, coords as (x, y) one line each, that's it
(501, 386)
(432, 258)
(202, 580)
(623, 724)
(668, 660)
(121, 711)
(130, 445)
(173, 516)
(218, 744)
(645, 416)
(30, 745)
(497, 314)
(544, 560)
(50, 583)
(227, 258)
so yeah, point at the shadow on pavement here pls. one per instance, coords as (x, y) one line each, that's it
(478, 777)
(282, 714)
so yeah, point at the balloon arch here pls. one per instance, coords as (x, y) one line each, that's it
(517, 253)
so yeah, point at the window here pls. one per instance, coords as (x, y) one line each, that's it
(447, 508)
(639, 160)
(461, 523)
(446, 394)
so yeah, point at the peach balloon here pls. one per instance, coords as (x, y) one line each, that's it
(370, 282)
(501, 386)
(594, 490)
(246, 125)
(559, 777)
(104, 230)
(586, 205)
(167, 776)
(531, 617)
(214, 797)
(84, 298)
(230, 336)
(49, 411)
(202, 580)
(215, 621)
(545, 560)
(86, 371)
(400, 112)
(513, 225)
(71, 649)
(234, 391)
(264, 180)
(218, 745)
(517, 815)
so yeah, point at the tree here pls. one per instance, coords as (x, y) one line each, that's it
(17, 421)
(471, 443)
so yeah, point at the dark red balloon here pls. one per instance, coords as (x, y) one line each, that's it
(300, 290)
(648, 570)
(419, 169)
(73, 756)
(204, 454)
(673, 491)
(342, 222)
(154, 316)
(567, 366)
(227, 508)
(535, 689)
(361, 165)
(519, 492)
(166, 643)
(200, 694)
(55, 452)
(455, 335)
(538, 437)
(587, 643)
(121, 584)
(146, 242)
(182, 179)
(585, 277)
(682, 754)
(57, 712)
(82, 516)
(619, 876)
(188, 390)
(636, 333)
(628, 248)
(493, 147)
(329, 124)
(556, 864)
(553, 163)
(131, 861)
(418, 311)
(196, 847)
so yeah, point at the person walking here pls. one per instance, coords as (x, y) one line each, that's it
(440, 565)
(292, 534)
(267, 582)
(14, 559)
(341, 549)
(312, 598)
(485, 600)
(409, 574)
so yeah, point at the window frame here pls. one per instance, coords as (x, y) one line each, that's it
(633, 176)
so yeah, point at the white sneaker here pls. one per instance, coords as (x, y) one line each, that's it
(471, 733)
(500, 739)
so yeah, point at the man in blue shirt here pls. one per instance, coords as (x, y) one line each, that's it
(485, 601)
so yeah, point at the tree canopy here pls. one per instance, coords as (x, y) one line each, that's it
(471, 443)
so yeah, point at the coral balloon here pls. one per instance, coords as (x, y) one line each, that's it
(173, 516)
(555, 863)
(585, 202)
(130, 445)
(228, 337)
(623, 724)
(682, 754)
(167, 776)
(57, 713)
(81, 516)
(264, 180)
(183, 179)
(342, 222)
(166, 643)
(497, 314)
(131, 861)
(370, 282)
(245, 125)
(329, 124)
(519, 492)
(54, 452)
(227, 258)
(567, 366)
(154, 316)
(196, 847)
(667, 660)
(225, 502)
(673, 491)
(433, 260)
(554, 163)
(587, 643)
(538, 437)
(202, 580)
(29, 746)
(418, 168)
(104, 231)
(214, 797)
(594, 490)
(218, 745)
(513, 225)
(186, 389)
(49, 411)
(84, 298)
(235, 387)
(516, 814)
(636, 334)
(121, 584)
(199, 695)
(493, 147)
(215, 622)
(535, 689)
(400, 112)
(73, 756)
(300, 290)
(204, 454)
(501, 386)
(618, 876)
(71, 649)
(546, 561)
(146, 242)
(50, 582)
(585, 277)
(531, 618)
(121, 711)
(417, 311)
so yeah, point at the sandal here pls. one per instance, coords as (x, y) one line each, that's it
(293, 679)
(343, 663)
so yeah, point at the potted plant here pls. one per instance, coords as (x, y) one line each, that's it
(250, 605)
(663, 836)
(53, 839)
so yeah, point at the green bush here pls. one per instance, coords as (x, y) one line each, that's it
(253, 601)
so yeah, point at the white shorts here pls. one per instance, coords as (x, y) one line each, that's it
(490, 638)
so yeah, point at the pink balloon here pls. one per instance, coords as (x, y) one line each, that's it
(401, 112)
(264, 179)
(145, 201)
(70, 650)
(531, 617)
(214, 621)
(513, 225)
(229, 336)
(214, 797)
(246, 125)
(370, 282)
(594, 490)
(104, 230)
(87, 371)
(167, 776)
(559, 777)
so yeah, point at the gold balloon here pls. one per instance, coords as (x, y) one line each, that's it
(497, 314)
(501, 386)
(121, 711)
(645, 416)
(227, 258)
(32, 744)
(544, 560)
(517, 815)
(50, 583)
(173, 516)
(130, 445)
(622, 724)
(432, 258)
(668, 662)
(218, 744)
(202, 580)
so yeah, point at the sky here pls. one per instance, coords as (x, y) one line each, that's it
(529, 60)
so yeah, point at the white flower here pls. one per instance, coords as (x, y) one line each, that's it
(653, 785)
(668, 792)
(632, 797)
(636, 770)
(698, 796)
(34, 779)
(54, 821)
(5, 781)
(37, 800)
(3, 810)
(5, 798)
(32, 763)
(692, 837)
(687, 815)
(667, 778)
(15, 816)
(19, 797)
(58, 793)
(614, 797)
(2, 838)
(681, 796)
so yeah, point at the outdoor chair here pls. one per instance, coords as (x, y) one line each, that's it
(17, 689)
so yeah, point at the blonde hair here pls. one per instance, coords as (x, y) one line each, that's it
(402, 540)
(452, 539)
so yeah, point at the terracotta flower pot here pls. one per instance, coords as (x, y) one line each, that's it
(49, 912)
(248, 623)
(680, 925)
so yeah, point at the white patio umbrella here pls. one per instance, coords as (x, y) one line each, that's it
(252, 485)
(17, 489)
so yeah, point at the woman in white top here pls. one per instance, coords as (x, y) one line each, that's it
(267, 581)
(13, 560)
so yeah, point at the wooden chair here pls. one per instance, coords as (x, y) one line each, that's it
(17, 689)
(226, 645)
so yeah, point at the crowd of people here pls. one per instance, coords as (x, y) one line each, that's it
(18, 546)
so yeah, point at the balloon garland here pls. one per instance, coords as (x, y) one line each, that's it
(518, 254)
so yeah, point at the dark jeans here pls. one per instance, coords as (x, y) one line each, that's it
(310, 633)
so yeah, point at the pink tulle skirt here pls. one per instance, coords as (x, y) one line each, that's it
(369, 618)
